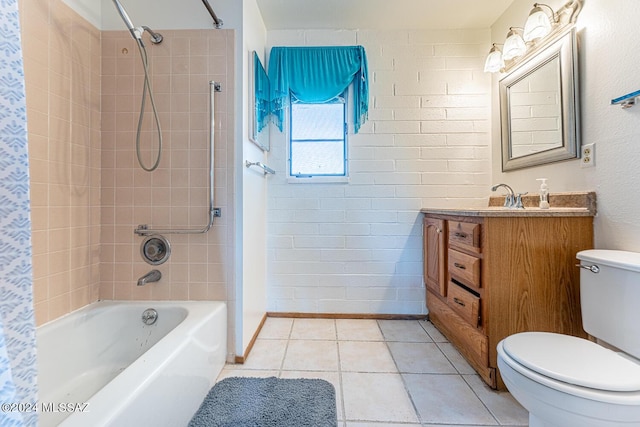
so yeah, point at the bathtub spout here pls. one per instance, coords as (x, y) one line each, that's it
(152, 276)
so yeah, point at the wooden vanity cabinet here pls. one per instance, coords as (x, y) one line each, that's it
(490, 277)
(435, 258)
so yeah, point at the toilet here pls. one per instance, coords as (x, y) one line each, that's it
(566, 381)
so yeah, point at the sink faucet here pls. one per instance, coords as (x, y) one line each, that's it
(152, 276)
(509, 200)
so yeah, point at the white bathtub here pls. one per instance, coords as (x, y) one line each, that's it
(129, 373)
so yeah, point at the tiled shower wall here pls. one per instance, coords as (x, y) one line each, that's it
(175, 195)
(87, 191)
(62, 73)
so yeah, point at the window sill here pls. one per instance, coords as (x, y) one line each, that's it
(318, 180)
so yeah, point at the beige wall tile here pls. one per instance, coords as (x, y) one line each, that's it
(88, 193)
(59, 69)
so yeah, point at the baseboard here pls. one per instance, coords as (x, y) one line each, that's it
(241, 359)
(296, 315)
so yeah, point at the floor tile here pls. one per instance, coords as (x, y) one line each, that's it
(403, 330)
(420, 358)
(255, 373)
(454, 356)
(435, 334)
(365, 356)
(446, 399)
(358, 330)
(265, 355)
(380, 424)
(314, 329)
(276, 328)
(376, 397)
(462, 425)
(389, 373)
(502, 405)
(310, 355)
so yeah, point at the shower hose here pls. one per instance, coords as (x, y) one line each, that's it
(147, 86)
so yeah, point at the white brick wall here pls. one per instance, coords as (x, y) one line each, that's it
(356, 247)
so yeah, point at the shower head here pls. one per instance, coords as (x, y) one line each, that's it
(126, 19)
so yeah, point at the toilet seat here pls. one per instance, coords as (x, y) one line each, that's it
(573, 360)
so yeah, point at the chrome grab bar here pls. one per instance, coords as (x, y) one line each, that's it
(144, 230)
(261, 165)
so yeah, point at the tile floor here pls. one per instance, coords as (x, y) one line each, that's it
(386, 372)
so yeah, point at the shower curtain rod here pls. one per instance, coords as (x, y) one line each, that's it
(217, 21)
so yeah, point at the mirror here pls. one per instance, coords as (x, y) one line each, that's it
(259, 103)
(539, 107)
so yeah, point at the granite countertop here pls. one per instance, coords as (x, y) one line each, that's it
(562, 205)
(500, 211)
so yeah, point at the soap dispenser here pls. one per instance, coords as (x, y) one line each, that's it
(544, 193)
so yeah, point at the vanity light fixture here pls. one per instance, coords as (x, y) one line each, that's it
(494, 62)
(514, 45)
(539, 29)
(538, 23)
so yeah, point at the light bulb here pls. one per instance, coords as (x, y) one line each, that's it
(513, 46)
(538, 24)
(494, 62)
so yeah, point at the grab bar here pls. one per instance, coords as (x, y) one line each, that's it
(217, 21)
(261, 165)
(144, 230)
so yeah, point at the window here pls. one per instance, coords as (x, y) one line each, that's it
(318, 140)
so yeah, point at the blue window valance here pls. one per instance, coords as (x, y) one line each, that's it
(318, 74)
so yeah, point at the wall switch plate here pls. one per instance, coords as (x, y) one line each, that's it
(588, 158)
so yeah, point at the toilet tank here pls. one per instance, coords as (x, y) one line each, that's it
(610, 297)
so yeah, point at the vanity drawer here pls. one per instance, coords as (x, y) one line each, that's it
(465, 268)
(465, 235)
(463, 302)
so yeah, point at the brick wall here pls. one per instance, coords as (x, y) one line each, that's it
(356, 247)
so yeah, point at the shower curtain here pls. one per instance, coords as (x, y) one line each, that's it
(18, 391)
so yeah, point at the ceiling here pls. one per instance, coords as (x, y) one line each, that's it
(380, 14)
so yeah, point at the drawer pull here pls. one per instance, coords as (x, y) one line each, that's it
(461, 235)
(438, 230)
(460, 266)
(458, 301)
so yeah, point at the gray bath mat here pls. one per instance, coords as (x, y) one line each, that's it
(268, 402)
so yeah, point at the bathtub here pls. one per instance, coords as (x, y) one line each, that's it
(102, 366)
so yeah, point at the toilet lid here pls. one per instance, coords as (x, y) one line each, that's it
(573, 360)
